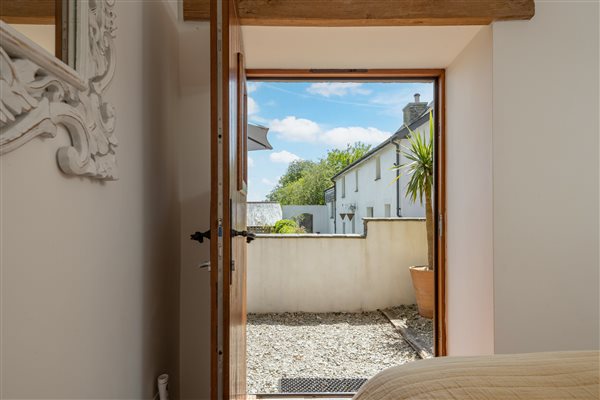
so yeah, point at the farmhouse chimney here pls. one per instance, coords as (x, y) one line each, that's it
(413, 110)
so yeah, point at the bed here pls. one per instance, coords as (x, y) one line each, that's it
(547, 376)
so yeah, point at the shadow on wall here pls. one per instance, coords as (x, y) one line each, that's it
(161, 196)
(191, 127)
(177, 187)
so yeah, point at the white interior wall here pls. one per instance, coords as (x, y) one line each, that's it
(545, 152)
(363, 47)
(470, 295)
(187, 64)
(194, 179)
(90, 270)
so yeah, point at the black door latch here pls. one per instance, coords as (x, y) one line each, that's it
(248, 235)
(200, 236)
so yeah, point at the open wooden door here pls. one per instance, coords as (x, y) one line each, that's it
(228, 204)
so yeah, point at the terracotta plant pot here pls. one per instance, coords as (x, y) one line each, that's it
(422, 279)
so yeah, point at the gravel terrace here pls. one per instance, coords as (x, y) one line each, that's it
(329, 345)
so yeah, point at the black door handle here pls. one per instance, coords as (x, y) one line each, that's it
(248, 235)
(199, 236)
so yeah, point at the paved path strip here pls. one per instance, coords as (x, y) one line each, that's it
(409, 335)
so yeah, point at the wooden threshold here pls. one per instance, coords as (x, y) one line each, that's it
(369, 12)
(409, 335)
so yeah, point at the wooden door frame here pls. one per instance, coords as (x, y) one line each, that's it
(438, 77)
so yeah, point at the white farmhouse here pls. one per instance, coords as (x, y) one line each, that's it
(368, 187)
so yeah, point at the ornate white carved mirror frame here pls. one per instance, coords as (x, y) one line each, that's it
(39, 93)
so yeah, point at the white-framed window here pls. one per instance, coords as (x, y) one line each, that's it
(343, 186)
(369, 212)
(387, 210)
(377, 168)
(356, 181)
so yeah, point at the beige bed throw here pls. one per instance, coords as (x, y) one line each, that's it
(547, 376)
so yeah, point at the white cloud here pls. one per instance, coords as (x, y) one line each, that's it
(267, 182)
(295, 129)
(284, 157)
(337, 88)
(250, 162)
(340, 137)
(253, 107)
(304, 130)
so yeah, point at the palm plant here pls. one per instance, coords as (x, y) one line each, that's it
(419, 154)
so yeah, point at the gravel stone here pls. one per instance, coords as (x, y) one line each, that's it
(422, 327)
(326, 345)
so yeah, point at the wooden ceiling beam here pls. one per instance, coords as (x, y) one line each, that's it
(369, 12)
(28, 11)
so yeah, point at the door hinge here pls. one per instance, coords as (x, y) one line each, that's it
(440, 225)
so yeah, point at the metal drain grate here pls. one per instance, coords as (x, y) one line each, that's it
(320, 385)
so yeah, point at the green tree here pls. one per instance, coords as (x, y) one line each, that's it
(305, 181)
(340, 159)
(294, 171)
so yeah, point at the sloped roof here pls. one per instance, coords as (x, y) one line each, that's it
(401, 133)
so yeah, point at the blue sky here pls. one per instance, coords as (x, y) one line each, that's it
(305, 119)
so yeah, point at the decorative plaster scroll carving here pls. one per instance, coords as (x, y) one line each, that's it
(39, 93)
